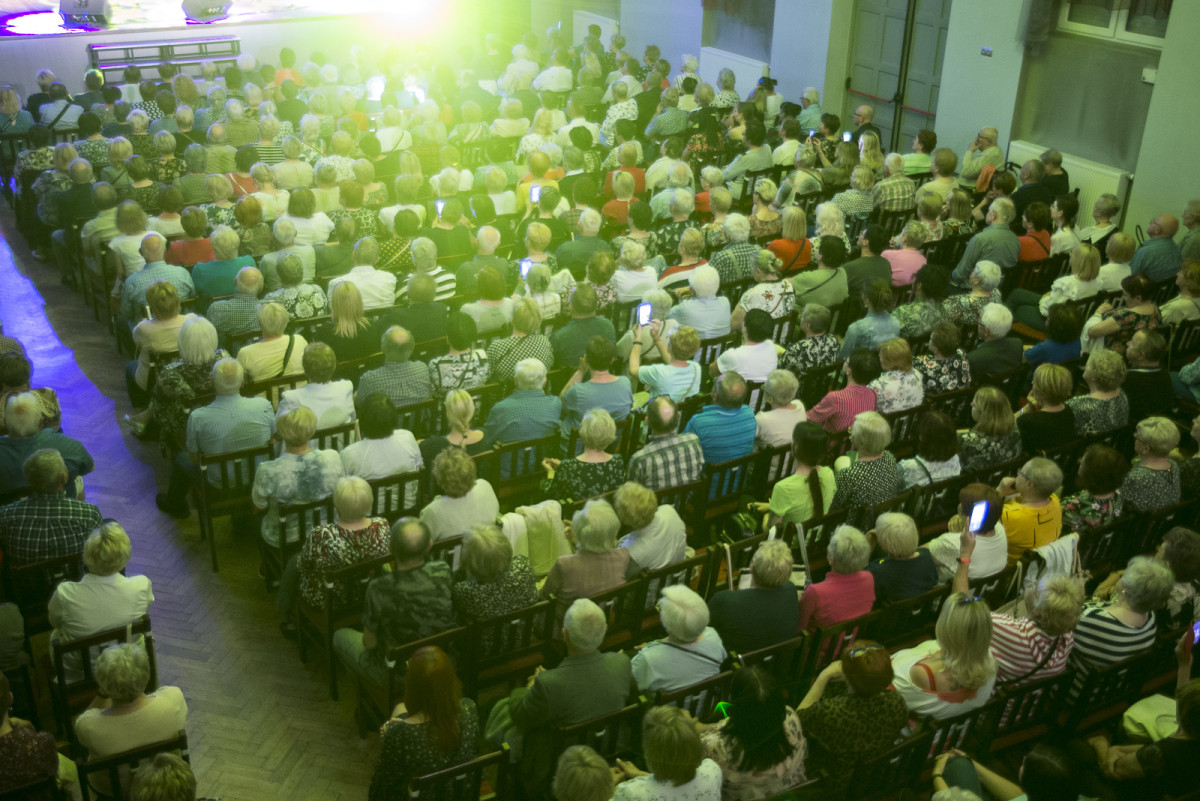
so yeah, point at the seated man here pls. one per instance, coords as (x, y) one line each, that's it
(1032, 514)
(216, 278)
(331, 401)
(378, 288)
(996, 352)
(570, 341)
(736, 261)
(284, 232)
(221, 154)
(404, 381)
(1147, 383)
(585, 685)
(23, 419)
(658, 174)
(229, 423)
(1158, 257)
(764, 614)
(756, 357)
(996, 242)
(133, 291)
(423, 314)
(668, 459)
(487, 240)
(726, 427)
(336, 256)
(837, 410)
(678, 179)
(410, 603)
(982, 151)
(239, 314)
(576, 254)
(528, 413)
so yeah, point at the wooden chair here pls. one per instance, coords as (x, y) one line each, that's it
(397, 496)
(45, 788)
(115, 766)
(689, 572)
(817, 531)
(229, 493)
(893, 770)
(485, 397)
(520, 467)
(894, 221)
(31, 586)
(905, 622)
(353, 369)
(336, 438)
(785, 660)
(379, 702)
(1027, 710)
(904, 430)
(448, 550)
(509, 646)
(727, 481)
(817, 382)
(968, 732)
(295, 521)
(946, 252)
(71, 697)
(998, 589)
(419, 418)
(956, 404)
(609, 735)
(1012, 383)
(1106, 692)
(464, 782)
(935, 502)
(623, 607)
(273, 388)
(828, 644)
(24, 692)
(238, 341)
(1185, 343)
(700, 699)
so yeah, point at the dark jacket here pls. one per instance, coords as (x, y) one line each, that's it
(995, 356)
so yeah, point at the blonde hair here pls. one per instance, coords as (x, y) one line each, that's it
(119, 149)
(996, 417)
(1053, 383)
(597, 429)
(636, 505)
(895, 354)
(1121, 247)
(346, 309)
(486, 554)
(795, 225)
(582, 775)
(1085, 261)
(964, 632)
(896, 533)
(460, 409)
(107, 549)
(165, 778)
(871, 155)
(538, 236)
(1055, 604)
(163, 299)
(454, 472)
(272, 319)
(1159, 435)
(527, 314)
(296, 426)
(218, 188)
(64, 154)
(352, 498)
(720, 199)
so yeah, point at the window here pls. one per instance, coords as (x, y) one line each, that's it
(1137, 22)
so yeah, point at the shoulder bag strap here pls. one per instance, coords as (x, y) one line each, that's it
(60, 115)
(287, 355)
(1043, 247)
(690, 651)
(1036, 668)
(823, 283)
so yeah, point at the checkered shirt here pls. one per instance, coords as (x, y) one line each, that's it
(45, 526)
(404, 382)
(238, 315)
(895, 193)
(735, 262)
(668, 461)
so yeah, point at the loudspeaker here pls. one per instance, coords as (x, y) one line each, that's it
(206, 10)
(84, 13)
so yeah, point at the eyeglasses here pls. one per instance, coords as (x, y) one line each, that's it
(854, 653)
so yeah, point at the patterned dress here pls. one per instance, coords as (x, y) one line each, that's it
(575, 480)
(1147, 490)
(897, 390)
(178, 384)
(980, 451)
(365, 221)
(395, 255)
(1083, 511)
(776, 298)
(865, 483)
(331, 547)
(918, 318)
(1131, 322)
(408, 750)
(1099, 415)
(218, 216)
(760, 228)
(746, 786)
(944, 375)
(458, 371)
(811, 352)
(516, 589)
(165, 171)
(289, 479)
(965, 309)
(301, 301)
(504, 354)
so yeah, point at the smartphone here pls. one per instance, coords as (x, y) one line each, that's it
(535, 193)
(1196, 633)
(526, 266)
(978, 513)
(643, 313)
(812, 132)
(846, 136)
(439, 205)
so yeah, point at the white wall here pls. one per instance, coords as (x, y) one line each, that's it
(1166, 176)
(673, 25)
(979, 91)
(799, 44)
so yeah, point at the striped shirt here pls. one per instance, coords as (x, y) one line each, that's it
(444, 281)
(1019, 646)
(837, 410)
(724, 433)
(668, 461)
(1101, 639)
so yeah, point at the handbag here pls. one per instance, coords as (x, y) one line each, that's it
(1151, 719)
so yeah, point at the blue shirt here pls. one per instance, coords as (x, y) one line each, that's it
(1051, 352)
(870, 332)
(1158, 258)
(216, 278)
(133, 293)
(616, 398)
(724, 433)
(524, 415)
(230, 423)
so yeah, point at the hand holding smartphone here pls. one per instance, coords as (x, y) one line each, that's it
(643, 313)
(526, 266)
(439, 205)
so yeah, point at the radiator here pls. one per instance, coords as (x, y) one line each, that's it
(1092, 178)
(747, 70)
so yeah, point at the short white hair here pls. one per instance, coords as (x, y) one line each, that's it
(595, 527)
(246, 62)
(590, 221)
(684, 613)
(682, 202)
(23, 415)
(633, 255)
(848, 550)
(996, 318)
(988, 273)
(489, 237)
(811, 94)
(228, 375)
(530, 374)
(585, 624)
(704, 281)
(284, 231)
(771, 564)
(737, 228)
(424, 254)
(690, 63)
(660, 301)
(713, 175)
(680, 175)
(781, 387)
(225, 242)
(894, 163)
(235, 109)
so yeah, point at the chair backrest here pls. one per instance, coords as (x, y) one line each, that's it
(829, 642)
(419, 418)
(111, 766)
(454, 641)
(699, 699)
(1118, 683)
(1012, 383)
(31, 586)
(904, 429)
(689, 572)
(710, 349)
(514, 636)
(905, 621)
(396, 496)
(296, 520)
(785, 660)
(44, 789)
(1029, 705)
(894, 221)
(623, 607)
(273, 388)
(520, 464)
(996, 589)
(606, 734)
(1185, 343)
(336, 438)
(896, 768)
(448, 550)
(463, 782)
(345, 587)
(775, 465)
(968, 732)
(817, 382)
(946, 252)
(728, 480)
(935, 501)
(485, 397)
(956, 404)
(818, 531)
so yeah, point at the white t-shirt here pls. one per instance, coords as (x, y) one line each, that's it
(449, 517)
(704, 786)
(1111, 276)
(332, 402)
(663, 542)
(775, 426)
(751, 362)
(632, 284)
(989, 557)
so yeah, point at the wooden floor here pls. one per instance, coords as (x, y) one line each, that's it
(260, 724)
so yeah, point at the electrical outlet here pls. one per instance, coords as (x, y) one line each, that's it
(985, 51)
(1149, 75)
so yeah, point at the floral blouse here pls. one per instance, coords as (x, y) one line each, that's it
(365, 221)
(945, 375)
(408, 750)
(965, 309)
(741, 785)
(516, 589)
(575, 480)
(458, 371)
(918, 318)
(1083, 511)
(177, 385)
(1147, 490)
(1131, 322)
(811, 352)
(921, 472)
(760, 228)
(715, 238)
(302, 301)
(980, 451)
(331, 547)
(255, 241)
(1099, 415)
(897, 390)
(218, 216)
(776, 298)
(165, 171)
(951, 228)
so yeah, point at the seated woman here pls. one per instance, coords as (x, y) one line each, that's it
(908, 571)
(1064, 323)
(493, 311)
(434, 727)
(103, 598)
(527, 341)
(468, 501)
(937, 452)
(632, 277)
(759, 746)
(874, 476)
(348, 332)
(186, 378)
(847, 591)
(537, 289)
(792, 248)
(954, 672)
(908, 260)
(853, 689)
(599, 564)
(657, 534)
(1118, 325)
(464, 366)
(1035, 242)
(765, 221)
(769, 292)
(691, 652)
(1032, 310)
(168, 221)
(877, 326)
(1105, 407)
(355, 537)
(918, 318)
(1046, 421)
(1032, 511)
(277, 353)
(254, 235)
(1185, 306)
(593, 386)
(776, 427)
(675, 758)
(1097, 500)
(496, 582)
(593, 472)
(809, 491)
(704, 310)
(946, 367)
(985, 288)
(994, 438)
(219, 209)
(991, 546)
(331, 401)
(1153, 481)
(899, 387)
(153, 337)
(312, 227)
(460, 412)
(660, 326)
(141, 188)
(29, 755)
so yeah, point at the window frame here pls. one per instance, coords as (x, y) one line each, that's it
(1116, 31)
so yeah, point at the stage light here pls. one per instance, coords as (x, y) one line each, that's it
(206, 10)
(84, 13)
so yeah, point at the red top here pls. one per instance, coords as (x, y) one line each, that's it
(639, 180)
(1035, 246)
(840, 597)
(795, 255)
(617, 211)
(190, 252)
(702, 202)
(837, 410)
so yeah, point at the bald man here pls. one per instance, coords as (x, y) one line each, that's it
(981, 152)
(133, 293)
(863, 116)
(239, 314)
(403, 380)
(1159, 257)
(669, 459)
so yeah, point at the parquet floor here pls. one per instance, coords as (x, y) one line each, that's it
(261, 725)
